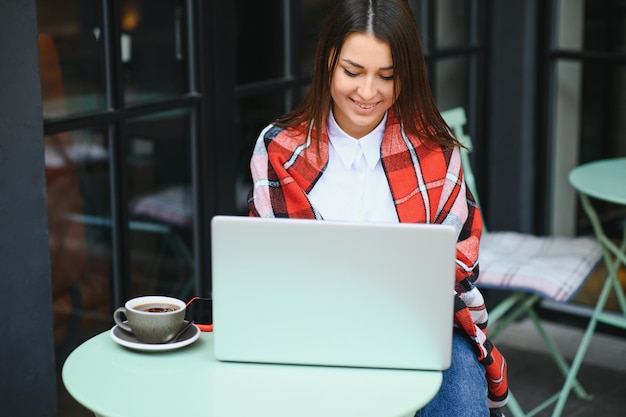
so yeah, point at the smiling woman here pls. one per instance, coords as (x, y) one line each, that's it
(368, 144)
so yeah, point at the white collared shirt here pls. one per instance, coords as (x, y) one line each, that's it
(354, 186)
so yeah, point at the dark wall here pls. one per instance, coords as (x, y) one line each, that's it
(510, 118)
(27, 386)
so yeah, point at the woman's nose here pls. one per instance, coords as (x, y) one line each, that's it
(367, 89)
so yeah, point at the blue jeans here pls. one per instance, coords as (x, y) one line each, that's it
(463, 392)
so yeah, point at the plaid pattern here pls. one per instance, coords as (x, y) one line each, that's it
(552, 266)
(427, 186)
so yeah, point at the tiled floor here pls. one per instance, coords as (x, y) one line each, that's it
(532, 375)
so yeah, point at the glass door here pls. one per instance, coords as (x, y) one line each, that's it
(121, 109)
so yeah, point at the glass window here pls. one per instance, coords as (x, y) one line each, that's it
(569, 26)
(77, 177)
(453, 22)
(71, 57)
(310, 19)
(588, 100)
(161, 205)
(605, 21)
(452, 82)
(154, 152)
(153, 48)
(260, 40)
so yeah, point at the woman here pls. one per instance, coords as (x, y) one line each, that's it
(368, 144)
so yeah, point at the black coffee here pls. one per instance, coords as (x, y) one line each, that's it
(157, 307)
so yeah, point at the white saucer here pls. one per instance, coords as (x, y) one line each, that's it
(128, 340)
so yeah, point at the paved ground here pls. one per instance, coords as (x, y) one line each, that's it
(533, 376)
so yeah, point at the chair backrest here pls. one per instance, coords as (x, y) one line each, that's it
(456, 119)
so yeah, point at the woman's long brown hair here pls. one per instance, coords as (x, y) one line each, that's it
(391, 21)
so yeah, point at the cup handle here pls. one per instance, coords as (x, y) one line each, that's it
(117, 316)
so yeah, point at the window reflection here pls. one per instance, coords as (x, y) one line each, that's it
(153, 49)
(161, 205)
(452, 82)
(311, 15)
(453, 22)
(70, 56)
(77, 173)
(587, 103)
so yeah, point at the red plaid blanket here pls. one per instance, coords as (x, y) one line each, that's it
(427, 186)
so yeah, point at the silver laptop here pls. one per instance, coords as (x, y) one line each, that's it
(329, 293)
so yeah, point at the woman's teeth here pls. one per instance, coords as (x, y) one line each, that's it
(364, 106)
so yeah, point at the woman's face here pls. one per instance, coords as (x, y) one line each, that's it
(362, 84)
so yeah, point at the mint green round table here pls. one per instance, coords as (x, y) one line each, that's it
(115, 381)
(604, 181)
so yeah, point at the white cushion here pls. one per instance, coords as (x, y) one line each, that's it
(552, 266)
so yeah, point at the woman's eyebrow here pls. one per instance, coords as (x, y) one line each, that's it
(354, 64)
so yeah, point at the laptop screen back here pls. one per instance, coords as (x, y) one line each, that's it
(332, 293)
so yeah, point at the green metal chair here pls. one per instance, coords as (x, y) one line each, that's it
(530, 278)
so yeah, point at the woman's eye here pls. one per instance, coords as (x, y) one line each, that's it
(387, 77)
(349, 74)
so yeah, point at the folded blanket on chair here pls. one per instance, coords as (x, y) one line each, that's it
(552, 266)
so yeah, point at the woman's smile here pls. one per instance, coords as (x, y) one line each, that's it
(364, 106)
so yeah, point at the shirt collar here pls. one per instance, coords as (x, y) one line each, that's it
(349, 148)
